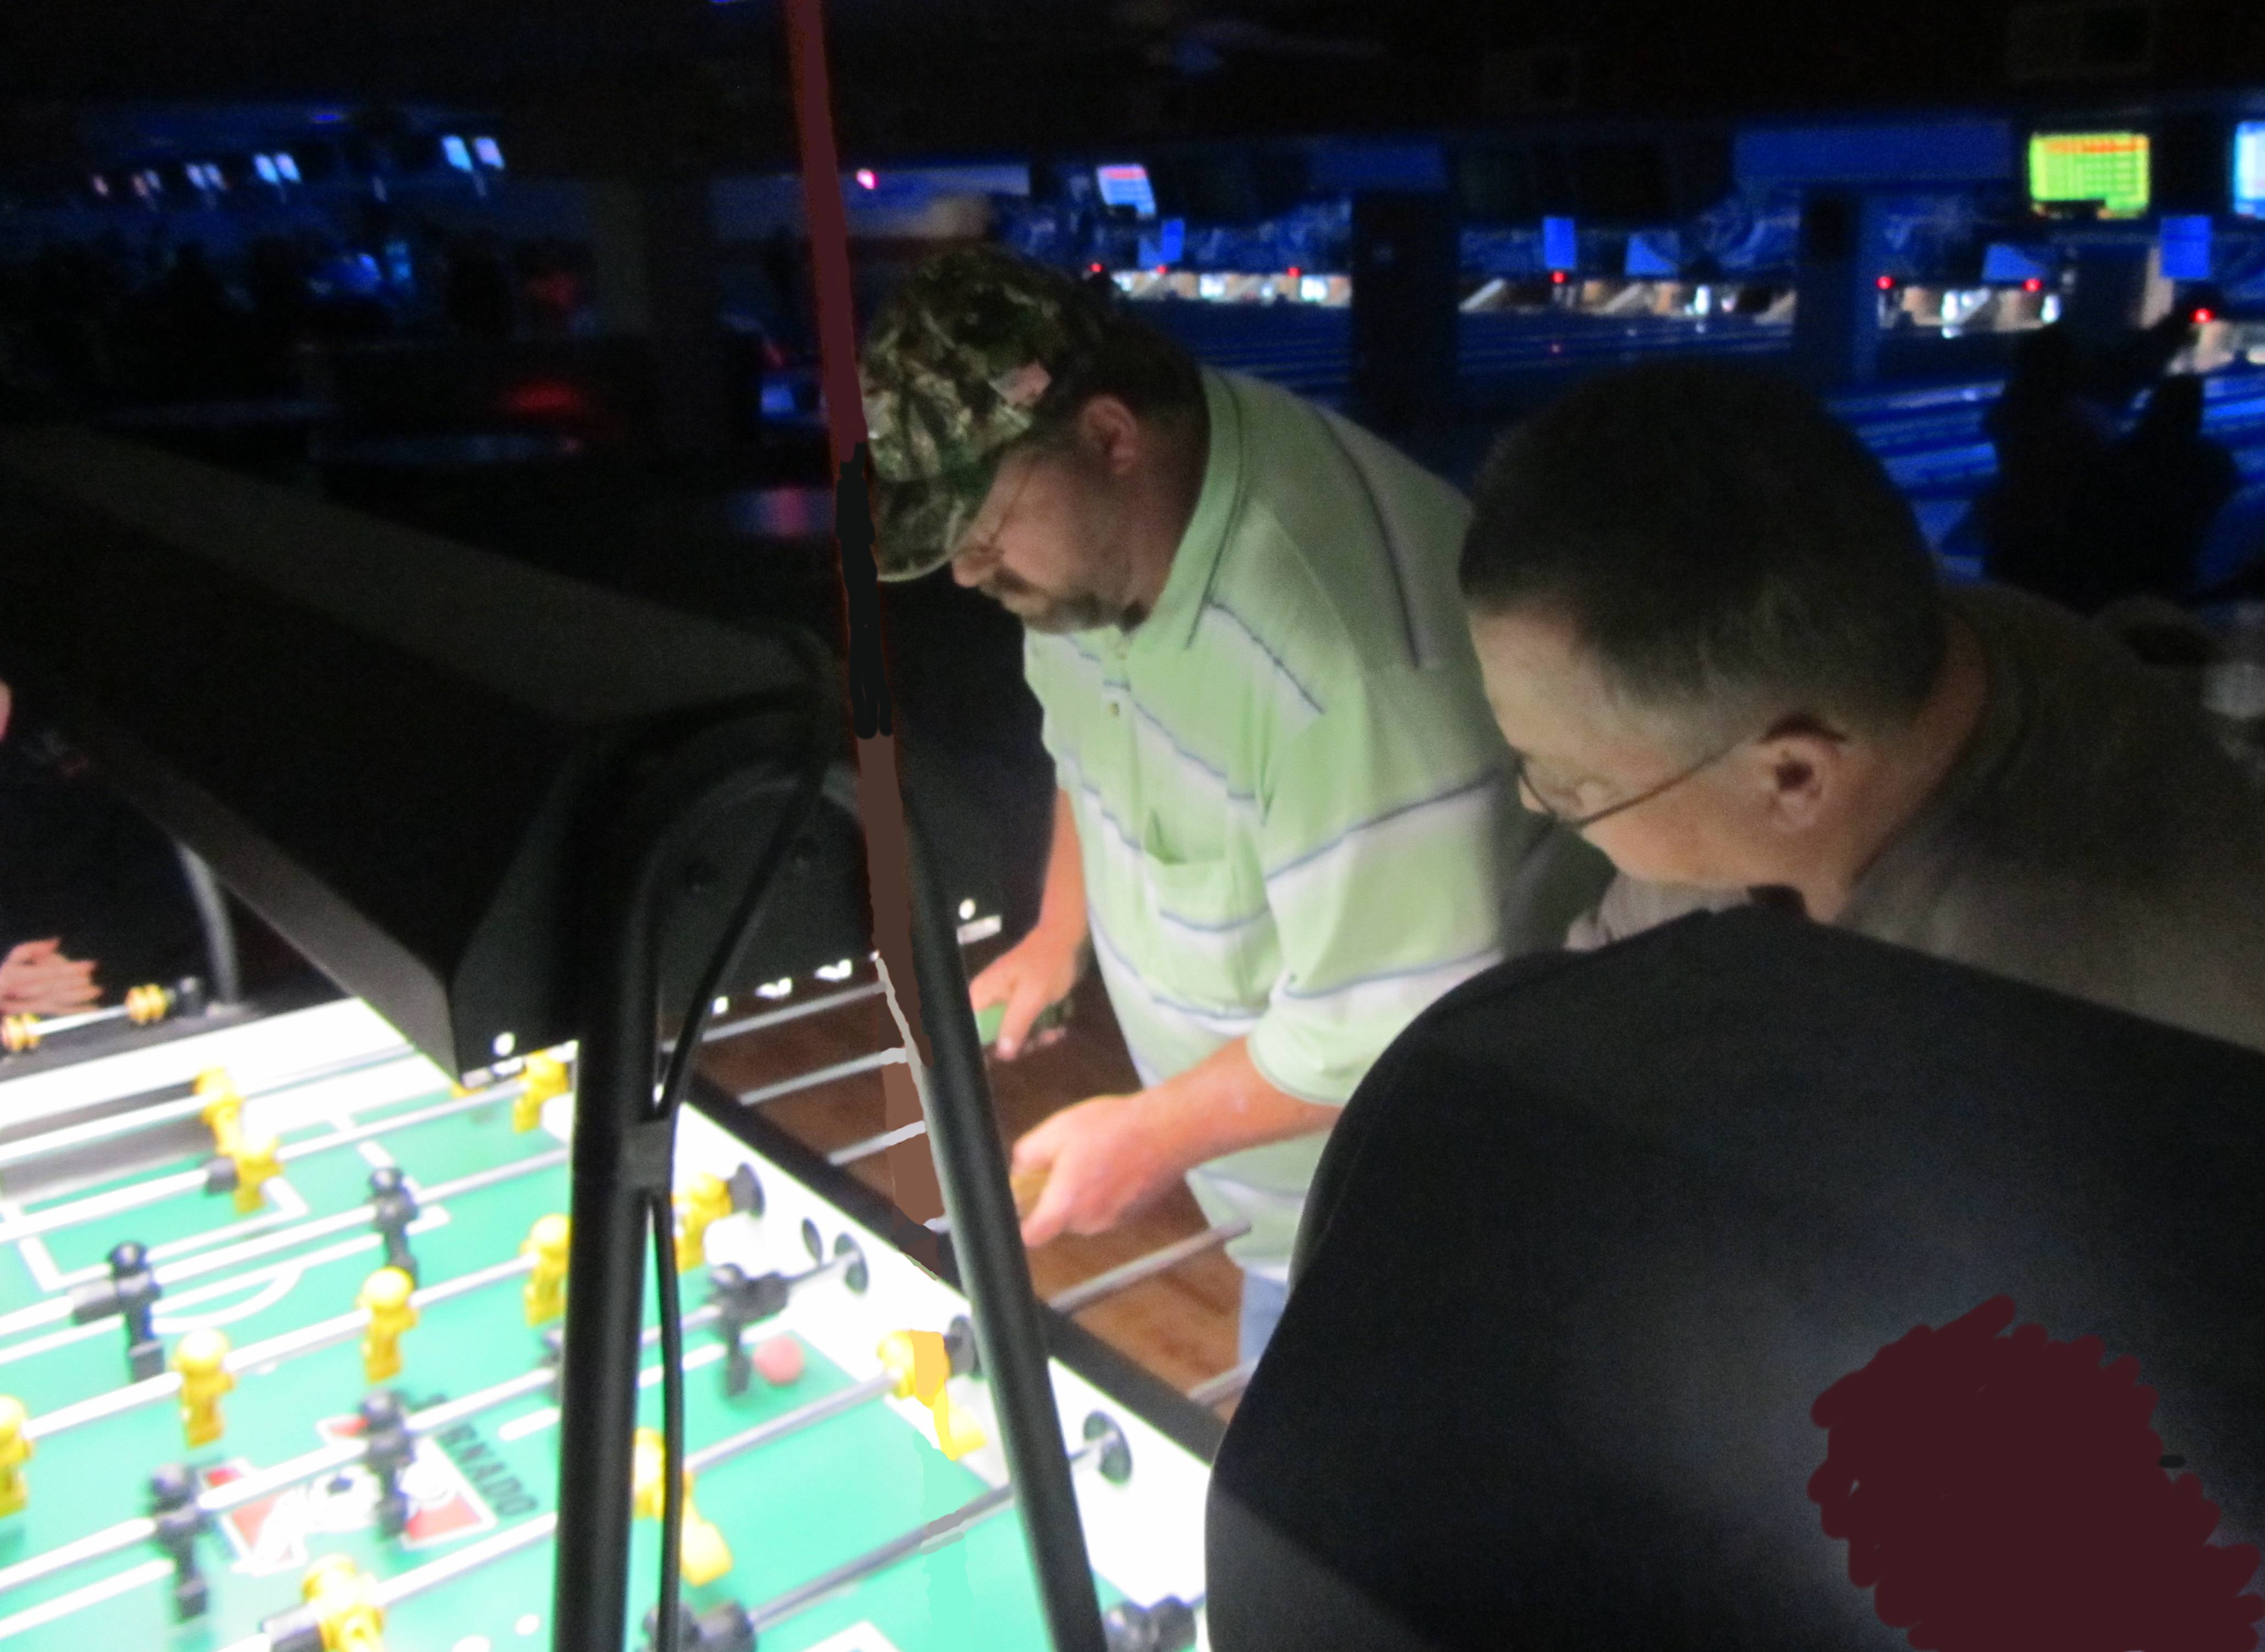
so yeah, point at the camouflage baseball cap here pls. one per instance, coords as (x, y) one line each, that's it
(967, 355)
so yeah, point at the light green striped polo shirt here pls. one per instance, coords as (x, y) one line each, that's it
(1290, 794)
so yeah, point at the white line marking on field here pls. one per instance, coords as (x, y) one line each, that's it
(41, 1261)
(62, 1606)
(266, 1297)
(533, 1422)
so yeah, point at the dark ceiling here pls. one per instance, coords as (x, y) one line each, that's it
(696, 84)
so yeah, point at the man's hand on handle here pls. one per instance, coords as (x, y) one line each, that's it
(1094, 1164)
(1026, 981)
(1090, 1165)
(37, 980)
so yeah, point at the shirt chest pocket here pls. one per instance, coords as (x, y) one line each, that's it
(1211, 936)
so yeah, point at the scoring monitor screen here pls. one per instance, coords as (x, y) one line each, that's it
(1127, 186)
(2249, 169)
(2069, 167)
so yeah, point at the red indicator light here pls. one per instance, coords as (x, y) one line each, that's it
(1293, 272)
(2033, 285)
(1885, 283)
(546, 398)
(2205, 314)
(1096, 268)
(866, 180)
(1558, 276)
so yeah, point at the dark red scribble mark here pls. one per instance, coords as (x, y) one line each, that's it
(2004, 1493)
(880, 804)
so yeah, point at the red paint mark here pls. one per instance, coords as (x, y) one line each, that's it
(880, 804)
(2000, 1493)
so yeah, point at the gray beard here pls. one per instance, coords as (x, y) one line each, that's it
(1086, 613)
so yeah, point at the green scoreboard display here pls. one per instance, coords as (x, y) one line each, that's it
(2067, 169)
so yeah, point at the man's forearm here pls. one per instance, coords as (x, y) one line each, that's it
(1223, 1104)
(1061, 906)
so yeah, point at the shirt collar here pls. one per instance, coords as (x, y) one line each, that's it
(1218, 504)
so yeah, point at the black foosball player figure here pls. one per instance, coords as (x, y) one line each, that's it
(392, 1207)
(180, 1522)
(725, 1628)
(1169, 1626)
(388, 1447)
(554, 1356)
(131, 1292)
(741, 1301)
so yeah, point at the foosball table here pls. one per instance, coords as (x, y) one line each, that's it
(278, 1357)
(335, 1330)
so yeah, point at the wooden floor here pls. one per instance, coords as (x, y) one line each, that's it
(1181, 1325)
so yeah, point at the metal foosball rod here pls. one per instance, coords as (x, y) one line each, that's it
(142, 1007)
(741, 1195)
(1105, 1451)
(134, 1121)
(57, 1309)
(760, 1020)
(1226, 1386)
(894, 1055)
(220, 1500)
(1085, 1293)
(307, 1339)
(252, 1487)
(343, 1328)
(158, 1189)
(423, 1579)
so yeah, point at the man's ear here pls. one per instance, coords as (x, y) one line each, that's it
(1111, 432)
(1800, 772)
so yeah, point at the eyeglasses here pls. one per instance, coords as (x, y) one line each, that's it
(982, 551)
(1522, 777)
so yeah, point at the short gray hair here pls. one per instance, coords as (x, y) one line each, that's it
(1722, 545)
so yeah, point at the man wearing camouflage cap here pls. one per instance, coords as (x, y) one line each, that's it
(1283, 825)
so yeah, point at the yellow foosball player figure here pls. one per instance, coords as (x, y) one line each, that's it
(342, 1600)
(223, 1109)
(705, 1201)
(542, 1078)
(385, 1296)
(922, 1364)
(243, 1166)
(706, 1555)
(545, 1293)
(200, 1358)
(14, 1451)
(250, 1167)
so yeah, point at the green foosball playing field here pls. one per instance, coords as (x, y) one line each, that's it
(228, 1423)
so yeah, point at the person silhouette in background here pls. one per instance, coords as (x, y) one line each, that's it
(93, 899)
(2049, 436)
(2136, 360)
(36, 977)
(2142, 514)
